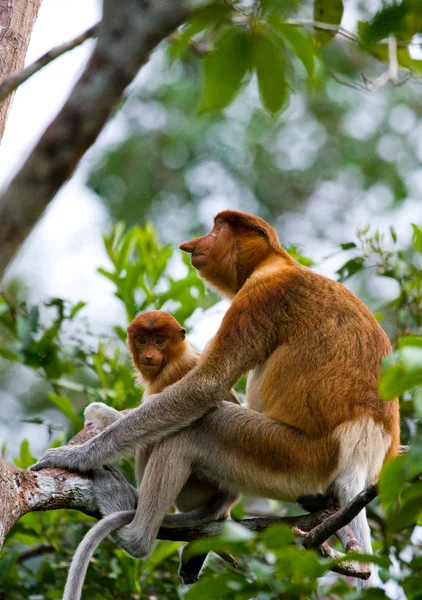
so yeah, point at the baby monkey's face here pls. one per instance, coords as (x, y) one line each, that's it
(149, 352)
(154, 339)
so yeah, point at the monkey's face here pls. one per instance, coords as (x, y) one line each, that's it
(215, 256)
(148, 352)
(154, 338)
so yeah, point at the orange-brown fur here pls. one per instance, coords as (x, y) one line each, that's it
(173, 359)
(320, 346)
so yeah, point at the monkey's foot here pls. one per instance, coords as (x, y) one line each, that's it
(112, 492)
(190, 566)
(187, 577)
(132, 540)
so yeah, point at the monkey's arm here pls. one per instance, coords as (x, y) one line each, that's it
(238, 346)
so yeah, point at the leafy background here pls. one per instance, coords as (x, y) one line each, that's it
(239, 109)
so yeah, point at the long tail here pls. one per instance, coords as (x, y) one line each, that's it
(215, 508)
(86, 548)
(351, 484)
(79, 566)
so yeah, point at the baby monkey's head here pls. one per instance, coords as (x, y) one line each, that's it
(154, 339)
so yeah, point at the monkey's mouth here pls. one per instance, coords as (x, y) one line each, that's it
(197, 259)
(149, 366)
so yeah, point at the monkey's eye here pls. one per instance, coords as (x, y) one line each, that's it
(159, 341)
(140, 341)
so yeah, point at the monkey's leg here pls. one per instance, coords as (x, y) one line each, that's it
(138, 537)
(112, 491)
(216, 507)
(190, 568)
(238, 449)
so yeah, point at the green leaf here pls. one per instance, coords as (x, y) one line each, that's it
(278, 536)
(410, 340)
(65, 406)
(417, 238)
(409, 510)
(25, 459)
(391, 480)
(329, 12)
(219, 586)
(24, 330)
(295, 253)
(238, 511)
(301, 44)
(235, 532)
(411, 357)
(225, 68)
(34, 317)
(348, 246)
(350, 268)
(403, 19)
(269, 64)
(161, 551)
(211, 15)
(76, 308)
(9, 354)
(393, 234)
(401, 372)
(68, 384)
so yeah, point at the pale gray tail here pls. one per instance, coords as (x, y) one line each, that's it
(116, 520)
(349, 485)
(86, 548)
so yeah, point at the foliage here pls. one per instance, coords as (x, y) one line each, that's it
(271, 565)
(242, 103)
(238, 40)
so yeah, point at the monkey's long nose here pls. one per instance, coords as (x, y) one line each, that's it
(188, 246)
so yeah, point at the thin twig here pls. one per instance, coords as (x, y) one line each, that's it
(325, 27)
(11, 83)
(350, 568)
(351, 84)
(36, 551)
(393, 62)
(341, 518)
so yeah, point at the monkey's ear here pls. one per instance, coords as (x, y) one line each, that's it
(183, 333)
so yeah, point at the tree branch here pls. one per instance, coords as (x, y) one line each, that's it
(12, 82)
(342, 517)
(128, 32)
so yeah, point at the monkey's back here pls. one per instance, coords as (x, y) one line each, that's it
(326, 368)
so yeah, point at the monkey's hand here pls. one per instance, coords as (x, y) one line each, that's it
(101, 415)
(67, 457)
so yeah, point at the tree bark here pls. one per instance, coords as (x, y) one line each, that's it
(17, 19)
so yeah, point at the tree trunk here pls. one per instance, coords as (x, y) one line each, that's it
(17, 19)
